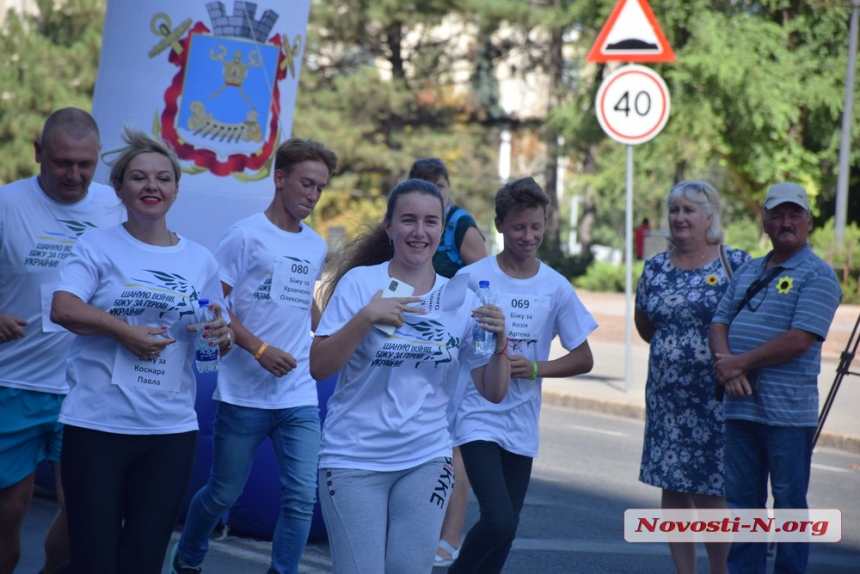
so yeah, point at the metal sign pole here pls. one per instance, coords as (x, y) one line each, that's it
(845, 140)
(632, 107)
(628, 281)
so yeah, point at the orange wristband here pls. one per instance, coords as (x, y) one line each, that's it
(259, 354)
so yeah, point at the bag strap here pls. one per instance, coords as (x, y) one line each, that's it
(757, 286)
(449, 237)
(724, 261)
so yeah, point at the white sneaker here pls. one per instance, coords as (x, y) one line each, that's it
(444, 562)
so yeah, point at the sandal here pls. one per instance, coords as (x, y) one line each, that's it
(453, 552)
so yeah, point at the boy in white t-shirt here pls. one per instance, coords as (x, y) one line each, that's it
(499, 441)
(269, 263)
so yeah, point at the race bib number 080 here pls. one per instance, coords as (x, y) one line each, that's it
(293, 282)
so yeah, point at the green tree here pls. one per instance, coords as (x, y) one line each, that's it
(50, 61)
(380, 85)
(756, 98)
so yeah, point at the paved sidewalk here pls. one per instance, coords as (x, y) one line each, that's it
(604, 390)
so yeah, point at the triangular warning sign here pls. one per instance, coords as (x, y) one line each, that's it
(631, 34)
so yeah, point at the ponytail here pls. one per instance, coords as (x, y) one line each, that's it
(372, 248)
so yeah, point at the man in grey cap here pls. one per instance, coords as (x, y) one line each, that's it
(766, 339)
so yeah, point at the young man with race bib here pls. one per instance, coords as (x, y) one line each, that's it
(499, 441)
(269, 263)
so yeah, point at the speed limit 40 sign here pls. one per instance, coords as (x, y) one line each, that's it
(632, 104)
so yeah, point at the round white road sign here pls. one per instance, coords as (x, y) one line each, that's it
(632, 104)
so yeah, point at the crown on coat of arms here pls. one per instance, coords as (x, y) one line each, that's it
(242, 23)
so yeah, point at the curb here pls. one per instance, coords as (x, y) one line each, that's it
(844, 442)
(838, 441)
(595, 405)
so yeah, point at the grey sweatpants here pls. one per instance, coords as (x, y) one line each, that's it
(385, 521)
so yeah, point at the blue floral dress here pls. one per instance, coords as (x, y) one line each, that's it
(683, 446)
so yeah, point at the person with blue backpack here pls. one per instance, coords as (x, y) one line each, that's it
(461, 244)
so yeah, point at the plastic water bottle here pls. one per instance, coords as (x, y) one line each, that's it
(207, 357)
(485, 341)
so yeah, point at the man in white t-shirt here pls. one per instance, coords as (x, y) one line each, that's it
(269, 263)
(41, 218)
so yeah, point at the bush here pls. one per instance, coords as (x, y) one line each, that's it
(746, 234)
(824, 244)
(569, 266)
(850, 293)
(606, 277)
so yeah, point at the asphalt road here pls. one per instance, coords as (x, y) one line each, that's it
(586, 476)
(583, 480)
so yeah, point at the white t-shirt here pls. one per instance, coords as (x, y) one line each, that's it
(112, 390)
(36, 235)
(387, 411)
(272, 273)
(536, 310)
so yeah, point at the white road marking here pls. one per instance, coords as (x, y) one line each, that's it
(830, 468)
(594, 430)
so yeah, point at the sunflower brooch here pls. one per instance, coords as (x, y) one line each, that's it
(712, 279)
(784, 284)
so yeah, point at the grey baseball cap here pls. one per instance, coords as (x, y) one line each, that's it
(786, 191)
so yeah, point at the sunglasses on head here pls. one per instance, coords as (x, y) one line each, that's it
(697, 187)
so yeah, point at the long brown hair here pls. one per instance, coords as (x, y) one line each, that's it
(373, 246)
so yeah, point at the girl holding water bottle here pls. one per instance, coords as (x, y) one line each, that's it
(129, 293)
(385, 461)
(499, 440)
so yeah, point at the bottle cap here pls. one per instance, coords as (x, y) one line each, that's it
(483, 284)
(203, 302)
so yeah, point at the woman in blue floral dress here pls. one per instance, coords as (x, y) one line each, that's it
(676, 297)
